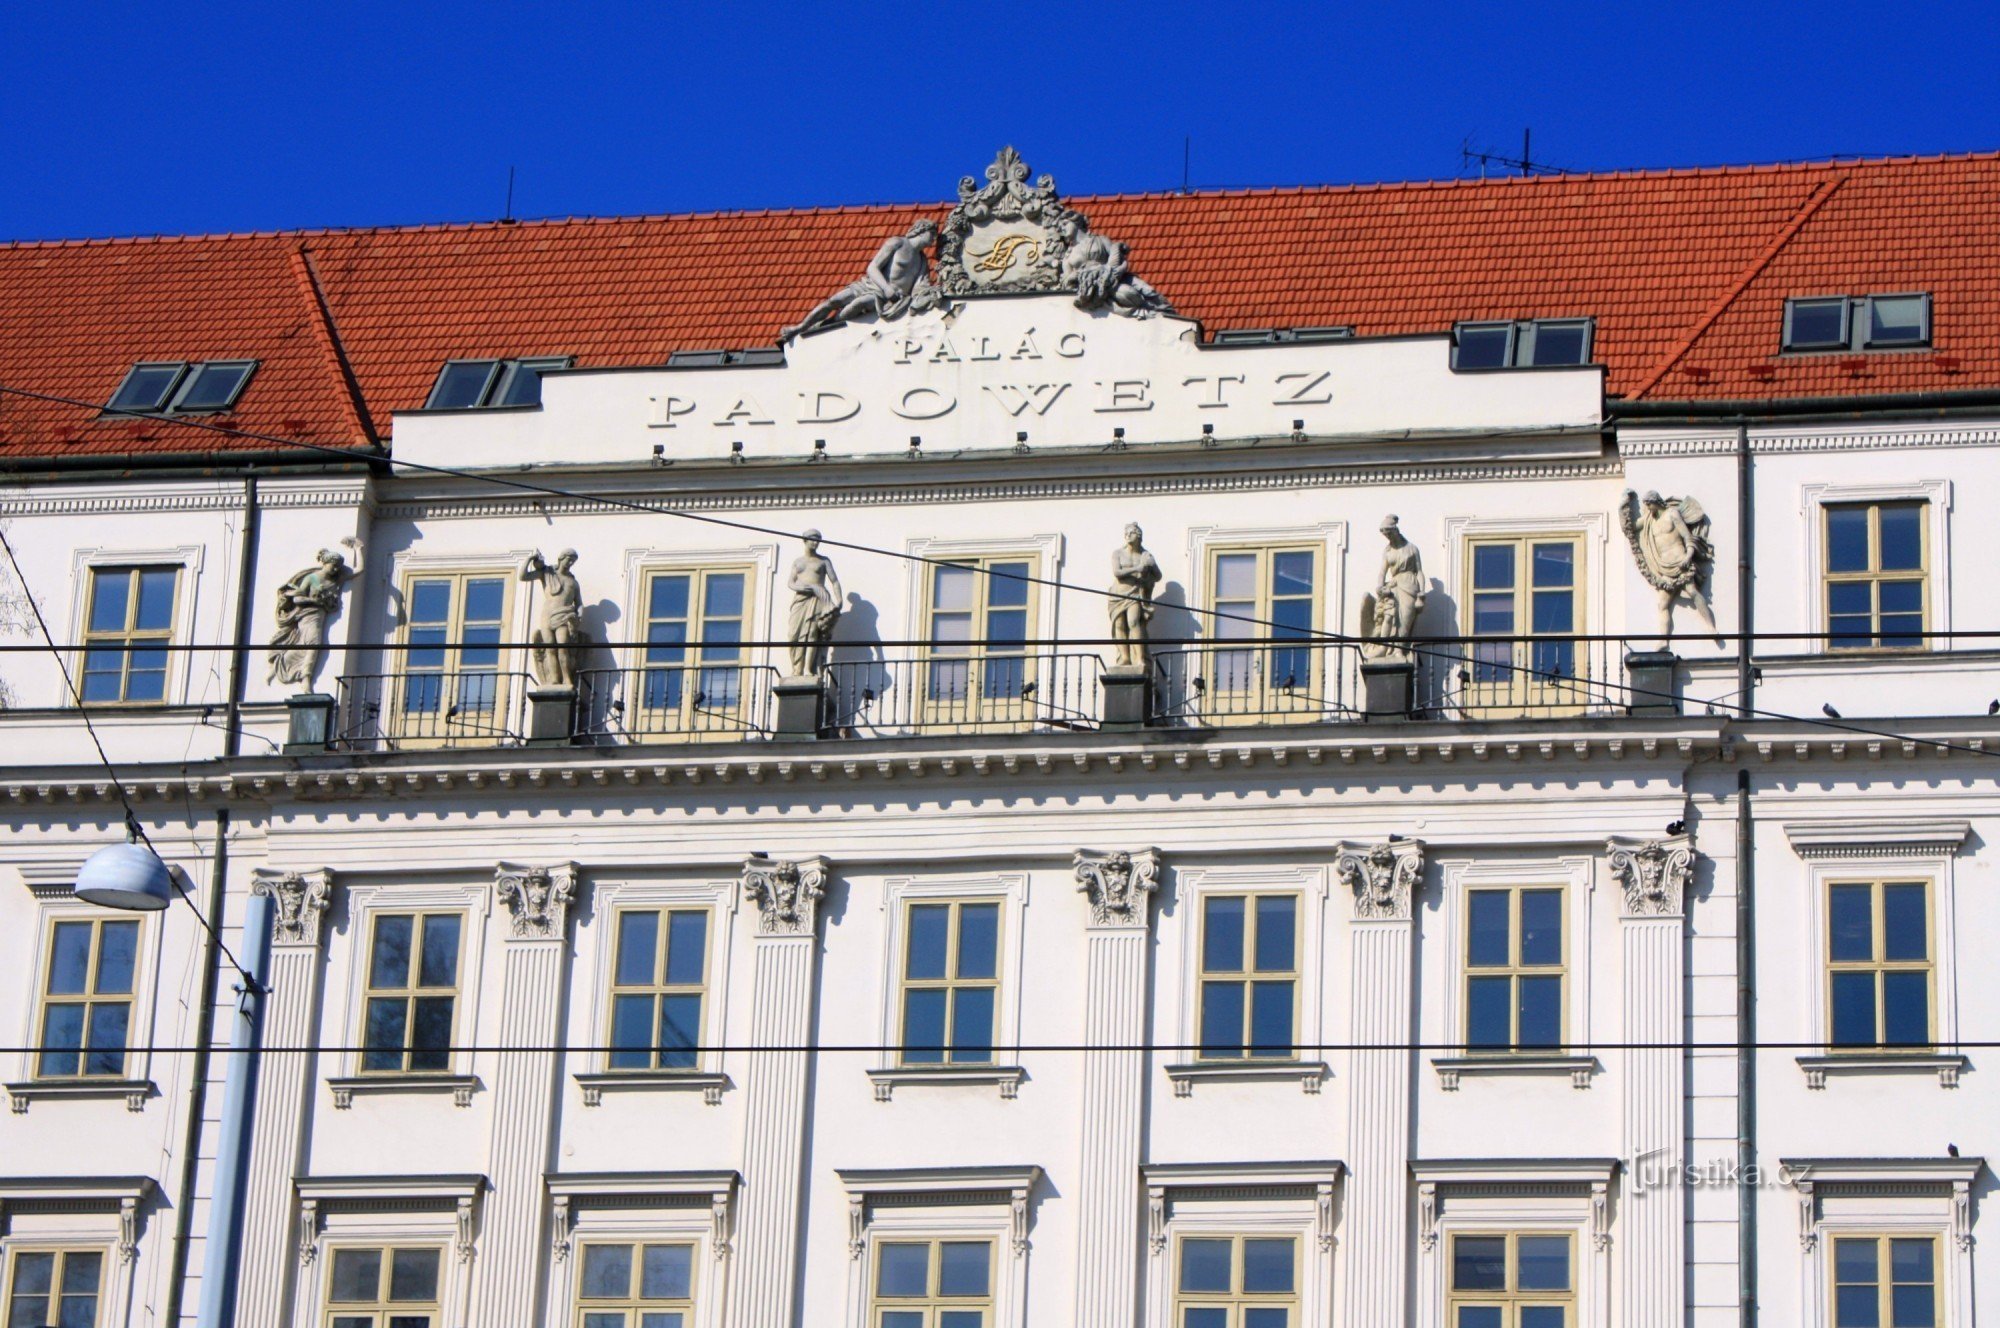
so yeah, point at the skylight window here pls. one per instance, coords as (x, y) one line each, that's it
(473, 384)
(1530, 343)
(1862, 322)
(177, 387)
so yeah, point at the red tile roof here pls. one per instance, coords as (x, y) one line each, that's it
(1686, 273)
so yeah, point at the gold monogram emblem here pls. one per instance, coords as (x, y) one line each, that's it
(1006, 252)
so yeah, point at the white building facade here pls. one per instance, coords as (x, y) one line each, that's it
(972, 979)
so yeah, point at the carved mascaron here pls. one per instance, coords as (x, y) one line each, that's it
(1119, 885)
(537, 897)
(787, 894)
(1654, 874)
(1384, 878)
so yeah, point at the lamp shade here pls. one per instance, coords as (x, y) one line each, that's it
(127, 876)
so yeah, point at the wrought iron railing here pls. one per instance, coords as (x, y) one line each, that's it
(387, 711)
(660, 702)
(962, 693)
(1212, 686)
(1474, 678)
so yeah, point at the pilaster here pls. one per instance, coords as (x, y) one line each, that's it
(784, 966)
(1653, 876)
(534, 963)
(284, 1089)
(1385, 879)
(1120, 887)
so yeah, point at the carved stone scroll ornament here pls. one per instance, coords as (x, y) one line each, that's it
(1384, 878)
(787, 894)
(538, 898)
(1654, 874)
(300, 899)
(1670, 544)
(1119, 885)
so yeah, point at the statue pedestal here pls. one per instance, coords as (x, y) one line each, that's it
(311, 722)
(551, 716)
(1650, 674)
(1388, 688)
(801, 706)
(1128, 698)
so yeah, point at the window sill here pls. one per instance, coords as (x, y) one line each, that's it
(1310, 1074)
(134, 1091)
(460, 1086)
(1945, 1066)
(1451, 1068)
(710, 1086)
(1005, 1077)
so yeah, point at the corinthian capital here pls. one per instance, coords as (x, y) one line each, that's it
(1653, 872)
(786, 894)
(1119, 885)
(537, 897)
(1384, 877)
(300, 900)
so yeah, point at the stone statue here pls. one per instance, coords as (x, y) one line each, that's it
(1096, 269)
(816, 603)
(1389, 616)
(897, 281)
(305, 602)
(1669, 538)
(1134, 573)
(559, 640)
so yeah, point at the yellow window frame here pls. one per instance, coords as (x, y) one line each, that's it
(128, 638)
(658, 987)
(1236, 1301)
(1874, 575)
(1249, 684)
(412, 990)
(633, 1304)
(1550, 674)
(951, 984)
(89, 998)
(1878, 966)
(1249, 975)
(955, 680)
(932, 1303)
(1515, 969)
(421, 715)
(1512, 1300)
(687, 708)
(382, 1311)
(1885, 1284)
(62, 1255)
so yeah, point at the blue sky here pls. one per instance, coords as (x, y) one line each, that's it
(123, 118)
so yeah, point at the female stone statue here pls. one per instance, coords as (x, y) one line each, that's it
(816, 603)
(1389, 616)
(305, 602)
(1134, 573)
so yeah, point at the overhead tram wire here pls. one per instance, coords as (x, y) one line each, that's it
(1306, 638)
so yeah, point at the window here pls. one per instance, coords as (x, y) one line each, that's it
(383, 1288)
(951, 981)
(1511, 1281)
(933, 1284)
(709, 608)
(1530, 343)
(1867, 322)
(1885, 1282)
(452, 686)
(87, 998)
(636, 1286)
(1514, 969)
(54, 1288)
(977, 627)
(179, 388)
(1875, 575)
(1236, 1282)
(412, 993)
(1524, 591)
(130, 620)
(658, 983)
(1269, 592)
(468, 384)
(1249, 976)
(1879, 963)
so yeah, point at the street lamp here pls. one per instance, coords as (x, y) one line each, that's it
(126, 876)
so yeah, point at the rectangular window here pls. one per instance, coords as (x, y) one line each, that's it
(412, 993)
(179, 388)
(1816, 324)
(1263, 593)
(130, 620)
(636, 1286)
(87, 998)
(1516, 1280)
(933, 1284)
(383, 1288)
(1249, 976)
(1525, 591)
(54, 1288)
(708, 610)
(1527, 343)
(951, 982)
(469, 384)
(1879, 973)
(977, 623)
(452, 686)
(1514, 969)
(1236, 1282)
(658, 983)
(1885, 1282)
(1876, 584)
(1862, 322)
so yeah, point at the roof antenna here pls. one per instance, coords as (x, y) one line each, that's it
(507, 217)
(1187, 156)
(1525, 163)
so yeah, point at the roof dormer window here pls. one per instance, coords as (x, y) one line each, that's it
(1862, 322)
(478, 384)
(178, 387)
(1530, 343)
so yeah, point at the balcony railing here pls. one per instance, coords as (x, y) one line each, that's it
(679, 702)
(962, 693)
(391, 711)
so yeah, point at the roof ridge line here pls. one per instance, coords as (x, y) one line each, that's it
(1806, 213)
(327, 333)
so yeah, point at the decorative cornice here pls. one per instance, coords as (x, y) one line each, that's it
(1120, 885)
(715, 1189)
(787, 894)
(926, 1185)
(1634, 444)
(1938, 837)
(537, 897)
(1654, 873)
(228, 500)
(301, 900)
(1385, 877)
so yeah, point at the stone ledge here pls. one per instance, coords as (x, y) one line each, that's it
(1309, 1074)
(1945, 1066)
(134, 1091)
(710, 1086)
(1451, 1068)
(460, 1086)
(1006, 1077)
